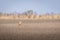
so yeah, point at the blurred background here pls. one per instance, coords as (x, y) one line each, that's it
(38, 6)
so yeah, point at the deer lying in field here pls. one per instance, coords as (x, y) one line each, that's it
(19, 23)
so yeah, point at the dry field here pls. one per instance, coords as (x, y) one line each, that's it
(30, 30)
(31, 17)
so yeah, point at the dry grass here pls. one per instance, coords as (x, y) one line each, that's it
(31, 17)
(30, 30)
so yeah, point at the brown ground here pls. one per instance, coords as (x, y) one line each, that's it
(30, 30)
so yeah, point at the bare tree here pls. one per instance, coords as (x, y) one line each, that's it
(0, 13)
(29, 12)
